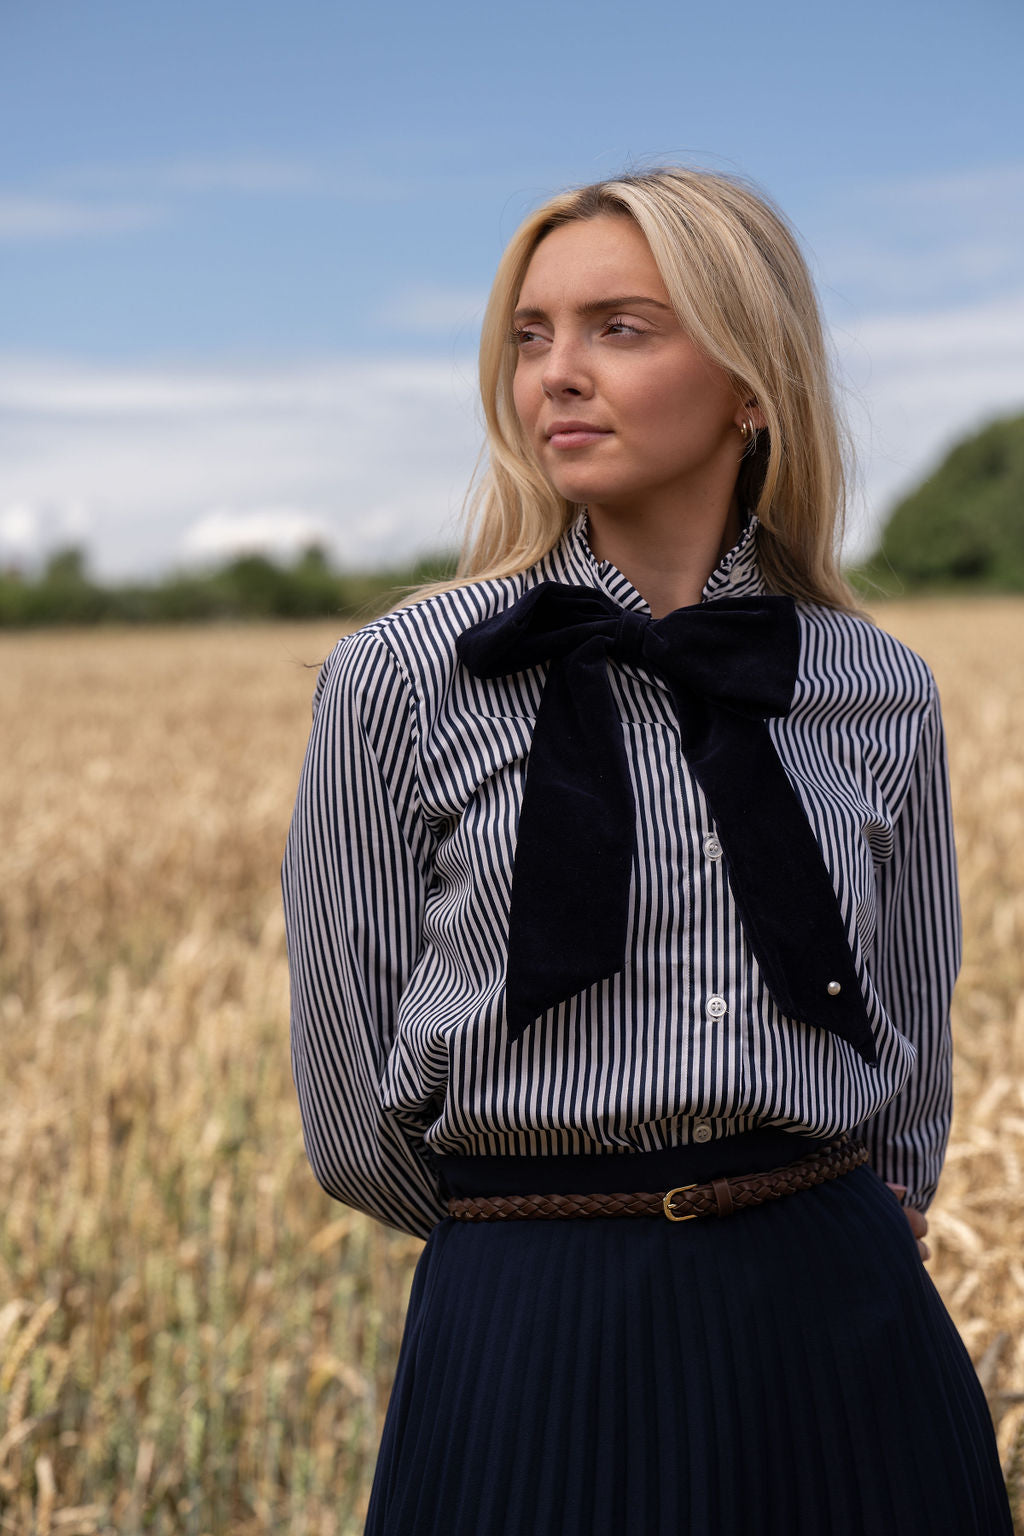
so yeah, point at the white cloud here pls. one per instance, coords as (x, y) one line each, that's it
(281, 531)
(75, 204)
(916, 242)
(19, 530)
(372, 457)
(432, 311)
(29, 529)
(244, 173)
(996, 185)
(988, 332)
(62, 218)
(350, 177)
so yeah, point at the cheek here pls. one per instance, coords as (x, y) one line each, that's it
(649, 409)
(688, 400)
(524, 396)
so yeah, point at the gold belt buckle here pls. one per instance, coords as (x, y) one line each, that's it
(666, 1203)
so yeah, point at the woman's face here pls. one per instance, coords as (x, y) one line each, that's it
(621, 408)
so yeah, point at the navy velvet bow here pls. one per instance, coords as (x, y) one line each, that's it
(729, 664)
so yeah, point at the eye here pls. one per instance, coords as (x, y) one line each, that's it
(522, 335)
(618, 325)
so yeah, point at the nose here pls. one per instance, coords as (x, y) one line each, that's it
(565, 370)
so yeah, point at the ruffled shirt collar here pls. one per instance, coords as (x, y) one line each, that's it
(737, 573)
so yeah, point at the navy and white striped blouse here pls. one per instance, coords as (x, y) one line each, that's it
(397, 878)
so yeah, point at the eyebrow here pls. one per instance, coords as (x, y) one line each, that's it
(597, 307)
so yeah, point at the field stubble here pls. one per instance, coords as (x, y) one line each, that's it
(193, 1337)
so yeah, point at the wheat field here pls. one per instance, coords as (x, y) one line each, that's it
(193, 1338)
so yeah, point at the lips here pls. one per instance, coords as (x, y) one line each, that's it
(575, 434)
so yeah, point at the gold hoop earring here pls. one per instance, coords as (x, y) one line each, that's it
(746, 430)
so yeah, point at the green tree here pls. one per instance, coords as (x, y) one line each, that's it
(964, 526)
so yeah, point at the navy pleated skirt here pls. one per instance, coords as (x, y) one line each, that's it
(787, 1371)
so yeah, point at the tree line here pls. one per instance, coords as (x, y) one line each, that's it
(252, 586)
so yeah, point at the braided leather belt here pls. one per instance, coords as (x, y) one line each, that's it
(720, 1197)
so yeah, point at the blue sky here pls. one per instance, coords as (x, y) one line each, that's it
(244, 248)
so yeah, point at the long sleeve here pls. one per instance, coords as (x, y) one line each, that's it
(354, 878)
(918, 946)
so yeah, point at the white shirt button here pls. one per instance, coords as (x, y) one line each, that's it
(712, 847)
(701, 1131)
(716, 1007)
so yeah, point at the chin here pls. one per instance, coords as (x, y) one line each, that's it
(610, 498)
(583, 490)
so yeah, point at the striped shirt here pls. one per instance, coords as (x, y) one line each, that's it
(397, 879)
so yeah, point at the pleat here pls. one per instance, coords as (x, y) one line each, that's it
(790, 1371)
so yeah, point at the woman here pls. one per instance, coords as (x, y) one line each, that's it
(621, 878)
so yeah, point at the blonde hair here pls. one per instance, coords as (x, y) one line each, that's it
(743, 293)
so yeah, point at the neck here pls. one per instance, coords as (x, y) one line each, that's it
(667, 558)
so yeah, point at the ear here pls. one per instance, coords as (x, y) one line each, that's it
(749, 411)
